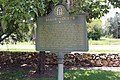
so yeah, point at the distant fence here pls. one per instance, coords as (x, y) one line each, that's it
(70, 60)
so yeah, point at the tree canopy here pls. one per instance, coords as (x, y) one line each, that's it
(115, 3)
(18, 16)
(113, 28)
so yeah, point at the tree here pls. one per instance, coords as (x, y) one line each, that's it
(18, 16)
(114, 27)
(95, 30)
(93, 8)
(115, 3)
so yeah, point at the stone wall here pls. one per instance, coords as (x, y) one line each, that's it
(93, 59)
(76, 59)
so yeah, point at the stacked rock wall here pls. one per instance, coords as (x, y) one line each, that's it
(76, 59)
(93, 59)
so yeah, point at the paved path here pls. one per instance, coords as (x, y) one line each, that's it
(104, 47)
(18, 46)
(91, 47)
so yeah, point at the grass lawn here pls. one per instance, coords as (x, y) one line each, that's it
(21, 74)
(105, 42)
(91, 75)
(18, 50)
(104, 51)
(33, 50)
(102, 41)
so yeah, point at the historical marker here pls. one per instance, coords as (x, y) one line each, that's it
(60, 31)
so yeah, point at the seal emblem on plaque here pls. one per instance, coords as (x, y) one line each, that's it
(59, 11)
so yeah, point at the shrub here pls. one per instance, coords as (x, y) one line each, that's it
(95, 31)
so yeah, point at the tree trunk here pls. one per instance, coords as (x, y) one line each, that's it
(41, 62)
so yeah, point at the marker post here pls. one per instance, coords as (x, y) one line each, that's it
(60, 66)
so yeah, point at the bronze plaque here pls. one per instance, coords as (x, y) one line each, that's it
(61, 32)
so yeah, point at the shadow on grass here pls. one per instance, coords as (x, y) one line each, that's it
(91, 75)
(23, 74)
(10, 74)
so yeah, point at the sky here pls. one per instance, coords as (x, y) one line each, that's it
(111, 13)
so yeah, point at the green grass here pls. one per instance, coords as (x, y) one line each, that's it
(104, 51)
(91, 75)
(33, 50)
(25, 43)
(21, 74)
(18, 50)
(104, 42)
(13, 74)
